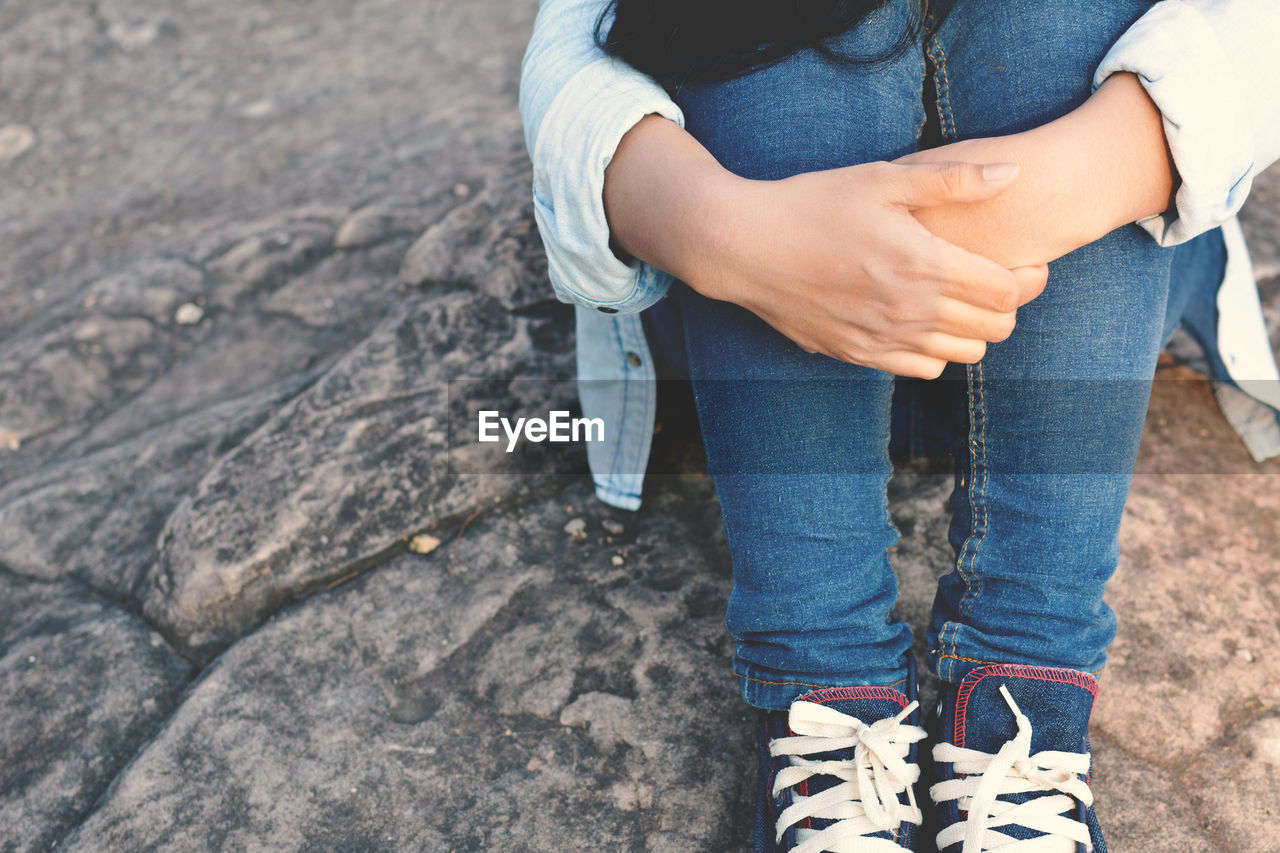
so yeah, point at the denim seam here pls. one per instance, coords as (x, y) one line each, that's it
(649, 390)
(861, 691)
(948, 656)
(802, 683)
(1096, 673)
(1039, 673)
(942, 97)
(930, 26)
(977, 498)
(924, 70)
(977, 405)
(626, 397)
(982, 497)
(779, 683)
(947, 122)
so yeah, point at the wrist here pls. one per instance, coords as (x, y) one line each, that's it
(1118, 136)
(670, 204)
(716, 220)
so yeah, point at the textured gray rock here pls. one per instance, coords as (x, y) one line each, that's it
(351, 469)
(512, 691)
(82, 684)
(113, 361)
(408, 664)
(491, 241)
(54, 380)
(369, 226)
(143, 143)
(96, 518)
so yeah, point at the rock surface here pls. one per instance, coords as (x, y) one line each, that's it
(508, 692)
(259, 268)
(83, 685)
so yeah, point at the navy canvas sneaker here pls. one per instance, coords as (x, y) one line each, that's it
(838, 773)
(1011, 762)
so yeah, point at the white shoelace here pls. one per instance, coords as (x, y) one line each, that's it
(866, 800)
(1014, 770)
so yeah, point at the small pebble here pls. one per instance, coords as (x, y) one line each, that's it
(613, 527)
(577, 528)
(366, 227)
(617, 560)
(258, 109)
(188, 314)
(423, 544)
(15, 140)
(131, 38)
(1245, 655)
(461, 190)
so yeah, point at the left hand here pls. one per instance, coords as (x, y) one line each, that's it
(1102, 165)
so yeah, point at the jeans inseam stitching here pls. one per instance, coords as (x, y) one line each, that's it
(930, 31)
(955, 625)
(982, 496)
(977, 495)
(924, 71)
(948, 123)
(888, 419)
(973, 584)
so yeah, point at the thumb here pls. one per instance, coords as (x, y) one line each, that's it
(1031, 281)
(932, 184)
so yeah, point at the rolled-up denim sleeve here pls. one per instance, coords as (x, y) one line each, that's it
(577, 103)
(1210, 67)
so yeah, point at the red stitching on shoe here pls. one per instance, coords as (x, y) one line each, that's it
(838, 694)
(843, 693)
(1017, 670)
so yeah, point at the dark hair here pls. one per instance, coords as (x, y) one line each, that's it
(686, 41)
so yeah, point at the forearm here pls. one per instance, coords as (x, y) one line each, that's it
(1101, 166)
(666, 199)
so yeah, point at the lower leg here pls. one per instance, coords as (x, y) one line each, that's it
(797, 444)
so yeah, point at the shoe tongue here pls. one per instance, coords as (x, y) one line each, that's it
(867, 704)
(1058, 703)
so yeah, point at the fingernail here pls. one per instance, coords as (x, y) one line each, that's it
(999, 171)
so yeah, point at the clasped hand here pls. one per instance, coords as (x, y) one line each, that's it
(838, 262)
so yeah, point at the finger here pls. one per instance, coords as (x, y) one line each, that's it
(963, 320)
(939, 345)
(911, 364)
(930, 184)
(1031, 282)
(971, 278)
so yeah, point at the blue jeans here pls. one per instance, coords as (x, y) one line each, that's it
(1044, 430)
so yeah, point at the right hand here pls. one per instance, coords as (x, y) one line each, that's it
(836, 262)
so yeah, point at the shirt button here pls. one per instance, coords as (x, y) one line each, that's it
(607, 310)
(634, 360)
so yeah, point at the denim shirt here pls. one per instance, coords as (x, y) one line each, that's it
(1197, 59)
